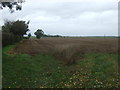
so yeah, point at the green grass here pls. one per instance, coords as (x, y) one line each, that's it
(40, 71)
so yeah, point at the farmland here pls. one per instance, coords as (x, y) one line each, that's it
(61, 62)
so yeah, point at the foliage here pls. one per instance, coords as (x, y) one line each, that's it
(19, 28)
(15, 27)
(52, 35)
(39, 33)
(13, 31)
(7, 26)
(29, 35)
(9, 38)
(11, 5)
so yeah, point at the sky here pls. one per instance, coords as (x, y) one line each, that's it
(68, 17)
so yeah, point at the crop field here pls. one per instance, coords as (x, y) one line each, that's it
(62, 63)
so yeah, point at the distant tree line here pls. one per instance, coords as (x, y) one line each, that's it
(13, 31)
(40, 33)
(52, 35)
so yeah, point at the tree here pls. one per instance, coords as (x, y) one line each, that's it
(19, 28)
(13, 31)
(39, 33)
(10, 4)
(29, 35)
(7, 26)
(16, 27)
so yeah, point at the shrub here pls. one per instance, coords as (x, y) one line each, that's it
(9, 38)
(13, 31)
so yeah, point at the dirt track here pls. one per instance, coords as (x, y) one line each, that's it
(49, 45)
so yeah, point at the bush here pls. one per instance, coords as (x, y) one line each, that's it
(25, 37)
(9, 38)
(13, 31)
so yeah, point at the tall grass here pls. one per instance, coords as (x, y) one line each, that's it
(69, 53)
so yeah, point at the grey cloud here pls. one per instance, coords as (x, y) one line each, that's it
(72, 9)
(69, 18)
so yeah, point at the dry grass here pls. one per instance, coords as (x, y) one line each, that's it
(69, 53)
(67, 49)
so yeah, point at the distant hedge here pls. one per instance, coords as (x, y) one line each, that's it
(9, 38)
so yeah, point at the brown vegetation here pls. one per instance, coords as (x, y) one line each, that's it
(67, 49)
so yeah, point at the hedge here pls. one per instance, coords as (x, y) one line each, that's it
(9, 38)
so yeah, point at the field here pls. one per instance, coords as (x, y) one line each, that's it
(61, 62)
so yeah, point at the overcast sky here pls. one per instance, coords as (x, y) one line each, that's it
(68, 17)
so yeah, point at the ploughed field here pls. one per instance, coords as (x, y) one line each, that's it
(61, 63)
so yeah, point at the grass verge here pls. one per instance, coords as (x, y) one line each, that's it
(95, 70)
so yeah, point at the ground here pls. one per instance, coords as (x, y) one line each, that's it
(61, 62)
